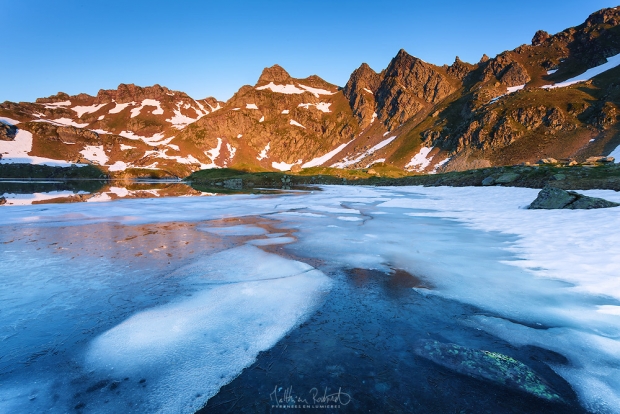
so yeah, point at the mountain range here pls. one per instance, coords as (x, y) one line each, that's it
(557, 97)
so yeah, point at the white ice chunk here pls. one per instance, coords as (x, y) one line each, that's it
(250, 300)
(271, 241)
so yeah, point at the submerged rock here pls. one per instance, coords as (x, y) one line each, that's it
(550, 198)
(491, 366)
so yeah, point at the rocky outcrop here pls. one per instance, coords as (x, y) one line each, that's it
(460, 69)
(7, 132)
(360, 90)
(550, 198)
(506, 70)
(540, 37)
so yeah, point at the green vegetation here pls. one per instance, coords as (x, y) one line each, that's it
(568, 178)
(43, 171)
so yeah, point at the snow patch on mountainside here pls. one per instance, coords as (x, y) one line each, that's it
(611, 63)
(180, 121)
(64, 121)
(118, 166)
(119, 107)
(95, 153)
(513, 89)
(293, 122)
(321, 106)
(324, 158)
(81, 110)
(16, 151)
(251, 106)
(421, 160)
(316, 91)
(148, 102)
(292, 89)
(348, 162)
(213, 153)
(282, 166)
(231, 150)
(54, 105)
(263, 154)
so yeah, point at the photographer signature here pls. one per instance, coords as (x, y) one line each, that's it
(287, 397)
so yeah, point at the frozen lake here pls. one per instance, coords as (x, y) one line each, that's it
(243, 303)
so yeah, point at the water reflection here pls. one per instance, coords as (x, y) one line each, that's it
(27, 192)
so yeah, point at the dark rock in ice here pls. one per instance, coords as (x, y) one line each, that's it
(550, 198)
(491, 366)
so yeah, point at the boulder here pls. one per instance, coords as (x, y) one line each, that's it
(506, 178)
(491, 366)
(2, 200)
(550, 198)
(600, 159)
(488, 181)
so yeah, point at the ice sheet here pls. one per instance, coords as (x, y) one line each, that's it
(556, 270)
(250, 300)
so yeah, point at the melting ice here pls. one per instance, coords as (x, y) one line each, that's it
(104, 332)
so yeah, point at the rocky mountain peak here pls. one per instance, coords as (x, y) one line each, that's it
(540, 37)
(363, 77)
(59, 97)
(460, 69)
(359, 90)
(605, 16)
(132, 93)
(275, 74)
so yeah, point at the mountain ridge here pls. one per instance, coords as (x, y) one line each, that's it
(413, 115)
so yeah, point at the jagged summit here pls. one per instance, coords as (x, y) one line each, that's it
(275, 74)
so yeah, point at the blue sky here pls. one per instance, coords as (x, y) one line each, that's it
(211, 48)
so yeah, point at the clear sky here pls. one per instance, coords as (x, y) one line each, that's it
(211, 48)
